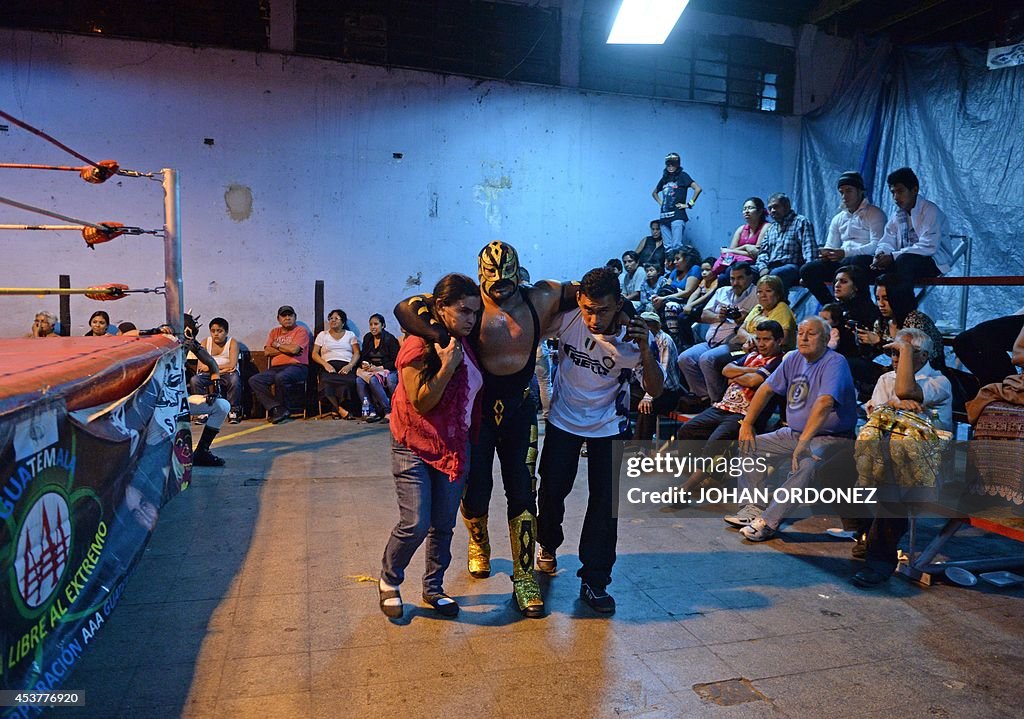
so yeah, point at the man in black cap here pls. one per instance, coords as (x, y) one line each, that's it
(287, 348)
(853, 236)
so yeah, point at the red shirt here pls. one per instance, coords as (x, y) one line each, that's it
(297, 335)
(440, 437)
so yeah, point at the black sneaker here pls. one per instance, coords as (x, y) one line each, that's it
(598, 599)
(206, 458)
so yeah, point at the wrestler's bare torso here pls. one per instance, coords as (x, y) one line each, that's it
(506, 330)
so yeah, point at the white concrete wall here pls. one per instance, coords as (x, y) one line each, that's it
(563, 175)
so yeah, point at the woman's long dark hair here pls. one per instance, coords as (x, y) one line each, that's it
(900, 295)
(94, 315)
(449, 289)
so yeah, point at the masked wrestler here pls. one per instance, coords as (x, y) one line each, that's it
(514, 320)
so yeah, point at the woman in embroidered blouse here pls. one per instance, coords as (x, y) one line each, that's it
(433, 410)
(898, 305)
(747, 237)
(336, 350)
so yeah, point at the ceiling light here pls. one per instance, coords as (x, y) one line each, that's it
(645, 22)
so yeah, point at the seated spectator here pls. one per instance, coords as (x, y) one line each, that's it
(336, 350)
(683, 279)
(985, 349)
(859, 312)
(833, 314)
(287, 348)
(729, 306)
(651, 249)
(632, 278)
(772, 304)
(224, 350)
(787, 243)
(746, 240)
(679, 320)
(898, 307)
(916, 242)
(44, 325)
(99, 323)
(915, 390)
(125, 328)
(721, 421)
(616, 264)
(647, 407)
(377, 371)
(821, 410)
(654, 283)
(853, 236)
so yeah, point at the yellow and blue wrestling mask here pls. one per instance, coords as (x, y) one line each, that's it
(497, 262)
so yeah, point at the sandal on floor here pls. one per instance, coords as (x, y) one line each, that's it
(392, 611)
(445, 605)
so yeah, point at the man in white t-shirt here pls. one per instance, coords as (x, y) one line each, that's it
(589, 404)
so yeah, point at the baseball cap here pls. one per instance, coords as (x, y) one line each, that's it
(285, 310)
(650, 317)
(851, 178)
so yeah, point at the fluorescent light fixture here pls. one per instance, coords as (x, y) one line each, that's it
(645, 22)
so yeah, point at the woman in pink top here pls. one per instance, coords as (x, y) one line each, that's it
(431, 414)
(746, 239)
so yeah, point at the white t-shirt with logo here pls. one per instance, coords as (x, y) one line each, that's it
(591, 385)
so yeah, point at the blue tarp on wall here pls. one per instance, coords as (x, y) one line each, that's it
(959, 125)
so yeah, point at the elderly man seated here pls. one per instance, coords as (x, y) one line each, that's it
(923, 400)
(821, 408)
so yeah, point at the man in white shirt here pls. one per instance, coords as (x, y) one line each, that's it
(916, 242)
(723, 312)
(589, 404)
(912, 385)
(853, 236)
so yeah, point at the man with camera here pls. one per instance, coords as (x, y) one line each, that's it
(723, 312)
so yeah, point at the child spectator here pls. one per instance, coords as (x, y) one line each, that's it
(224, 350)
(833, 314)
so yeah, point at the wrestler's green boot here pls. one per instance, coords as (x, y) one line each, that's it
(479, 560)
(523, 533)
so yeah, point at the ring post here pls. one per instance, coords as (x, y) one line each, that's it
(172, 250)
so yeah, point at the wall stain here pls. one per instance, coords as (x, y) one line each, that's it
(238, 199)
(414, 280)
(488, 194)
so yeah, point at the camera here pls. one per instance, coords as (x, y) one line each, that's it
(851, 325)
(734, 313)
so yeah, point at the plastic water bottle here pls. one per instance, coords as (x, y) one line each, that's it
(366, 407)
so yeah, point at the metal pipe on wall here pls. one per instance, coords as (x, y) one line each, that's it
(173, 284)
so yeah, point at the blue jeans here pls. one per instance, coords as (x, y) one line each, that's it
(381, 394)
(428, 505)
(789, 274)
(701, 366)
(279, 378)
(672, 232)
(229, 382)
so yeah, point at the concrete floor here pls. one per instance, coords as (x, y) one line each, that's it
(255, 598)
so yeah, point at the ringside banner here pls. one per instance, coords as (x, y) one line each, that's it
(80, 494)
